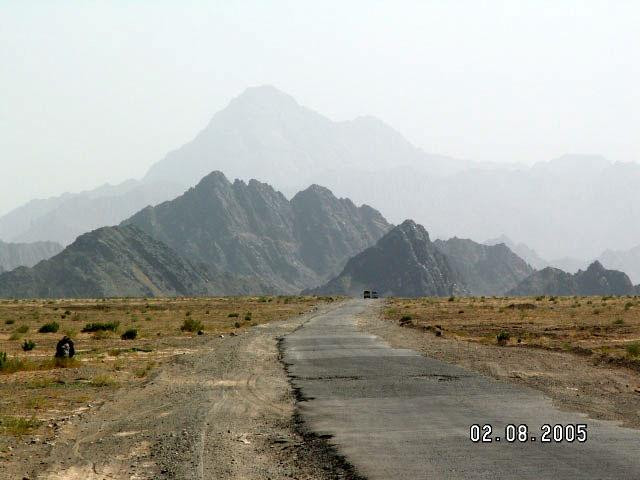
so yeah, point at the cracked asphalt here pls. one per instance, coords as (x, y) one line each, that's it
(392, 413)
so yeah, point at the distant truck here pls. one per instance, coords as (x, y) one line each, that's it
(366, 294)
(374, 294)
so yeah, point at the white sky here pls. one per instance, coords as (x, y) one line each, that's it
(97, 91)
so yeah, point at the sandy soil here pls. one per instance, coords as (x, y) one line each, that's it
(224, 409)
(574, 382)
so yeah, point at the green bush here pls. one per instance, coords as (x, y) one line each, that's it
(633, 349)
(9, 322)
(101, 327)
(51, 327)
(28, 345)
(129, 334)
(503, 337)
(191, 325)
(3, 360)
(233, 315)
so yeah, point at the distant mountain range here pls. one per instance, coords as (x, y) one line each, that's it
(217, 238)
(573, 207)
(624, 260)
(251, 229)
(484, 269)
(405, 262)
(115, 262)
(61, 219)
(13, 255)
(595, 280)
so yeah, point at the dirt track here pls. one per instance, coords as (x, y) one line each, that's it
(222, 410)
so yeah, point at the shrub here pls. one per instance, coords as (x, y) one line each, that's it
(618, 321)
(633, 349)
(628, 305)
(101, 327)
(9, 322)
(3, 360)
(503, 337)
(103, 381)
(237, 325)
(129, 334)
(22, 329)
(17, 426)
(452, 298)
(28, 345)
(233, 315)
(191, 325)
(51, 327)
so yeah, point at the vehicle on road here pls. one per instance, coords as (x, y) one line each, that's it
(366, 294)
(374, 294)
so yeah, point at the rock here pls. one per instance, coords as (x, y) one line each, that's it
(64, 348)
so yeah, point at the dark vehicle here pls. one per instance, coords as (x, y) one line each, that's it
(366, 294)
(374, 294)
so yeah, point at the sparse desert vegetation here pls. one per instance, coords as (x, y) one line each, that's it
(118, 342)
(604, 327)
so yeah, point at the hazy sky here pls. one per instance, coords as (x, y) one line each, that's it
(94, 91)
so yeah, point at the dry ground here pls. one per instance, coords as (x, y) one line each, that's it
(603, 327)
(581, 351)
(39, 398)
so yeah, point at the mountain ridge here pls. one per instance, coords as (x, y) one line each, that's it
(115, 262)
(252, 229)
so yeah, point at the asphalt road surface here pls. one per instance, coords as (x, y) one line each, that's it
(394, 414)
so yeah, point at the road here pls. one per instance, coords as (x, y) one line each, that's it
(394, 414)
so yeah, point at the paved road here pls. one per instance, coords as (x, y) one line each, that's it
(395, 414)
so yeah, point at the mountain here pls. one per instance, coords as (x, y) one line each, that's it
(595, 280)
(13, 255)
(62, 219)
(555, 205)
(264, 133)
(625, 260)
(252, 229)
(402, 263)
(528, 254)
(525, 252)
(569, 264)
(484, 269)
(115, 262)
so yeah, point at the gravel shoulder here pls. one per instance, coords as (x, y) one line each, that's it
(574, 382)
(222, 409)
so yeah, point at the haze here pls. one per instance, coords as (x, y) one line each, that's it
(97, 92)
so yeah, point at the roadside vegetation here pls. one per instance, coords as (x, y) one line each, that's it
(605, 328)
(118, 343)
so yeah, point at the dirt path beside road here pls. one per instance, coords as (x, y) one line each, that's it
(224, 409)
